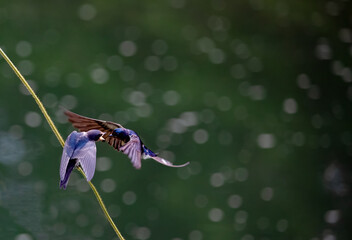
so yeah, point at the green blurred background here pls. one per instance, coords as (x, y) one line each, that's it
(255, 94)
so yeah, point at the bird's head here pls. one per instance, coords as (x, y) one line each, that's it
(95, 135)
(120, 133)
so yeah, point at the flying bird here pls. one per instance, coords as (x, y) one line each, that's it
(80, 150)
(120, 138)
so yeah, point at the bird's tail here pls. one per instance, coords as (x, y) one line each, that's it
(147, 153)
(70, 166)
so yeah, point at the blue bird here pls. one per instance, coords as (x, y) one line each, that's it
(80, 150)
(120, 138)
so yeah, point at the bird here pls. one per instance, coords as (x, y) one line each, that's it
(122, 139)
(79, 150)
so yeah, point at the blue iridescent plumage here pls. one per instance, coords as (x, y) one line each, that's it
(122, 139)
(80, 150)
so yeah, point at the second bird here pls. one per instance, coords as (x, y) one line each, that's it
(122, 139)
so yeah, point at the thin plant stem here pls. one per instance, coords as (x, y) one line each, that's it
(60, 139)
(102, 206)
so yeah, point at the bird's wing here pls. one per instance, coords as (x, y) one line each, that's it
(85, 124)
(114, 142)
(133, 150)
(68, 152)
(87, 158)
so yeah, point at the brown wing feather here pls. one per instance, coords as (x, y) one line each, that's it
(114, 142)
(85, 124)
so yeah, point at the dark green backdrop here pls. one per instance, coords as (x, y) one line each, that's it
(255, 94)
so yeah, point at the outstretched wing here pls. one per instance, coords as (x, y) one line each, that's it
(67, 153)
(87, 158)
(133, 150)
(114, 142)
(85, 124)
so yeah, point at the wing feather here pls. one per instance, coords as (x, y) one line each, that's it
(87, 158)
(133, 150)
(85, 124)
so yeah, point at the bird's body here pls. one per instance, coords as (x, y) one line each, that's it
(80, 150)
(122, 139)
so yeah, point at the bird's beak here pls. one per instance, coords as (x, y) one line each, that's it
(102, 139)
